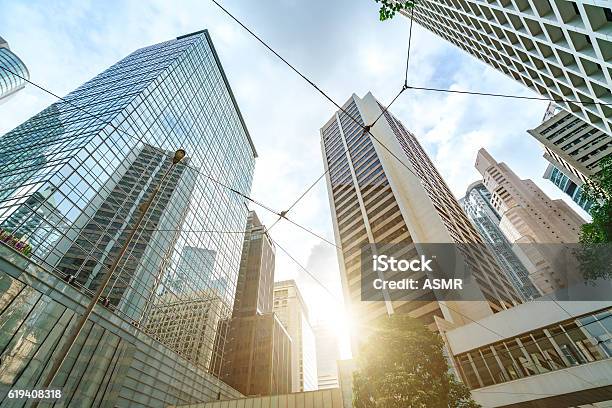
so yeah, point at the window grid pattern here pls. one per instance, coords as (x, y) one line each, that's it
(71, 183)
(479, 210)
(569, 343)
(111, 364)
(365, 209)
(560, 49)
(574, 145)
(493, 283)
(12, 80)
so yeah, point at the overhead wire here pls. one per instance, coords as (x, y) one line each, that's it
(282, 215)
(368, 127)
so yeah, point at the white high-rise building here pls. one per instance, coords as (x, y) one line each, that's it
(561, 49)
(384, 189)
(574, 150)
(293, 314)
(530, 219)
(328, 354)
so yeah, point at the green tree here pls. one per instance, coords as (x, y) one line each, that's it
(388, 8)
(596, 236)
(401, 365)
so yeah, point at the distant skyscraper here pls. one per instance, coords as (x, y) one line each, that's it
(90, 160)
(293, 314)
(375, 199)
(478, 207)
(11, 78)
(186, 322)
(328, 354)
(530, 218)
(558, 48)
(569, 185)
(258, 349)
(258, 355)
(196, 272)
(256, 277)
(96, 248)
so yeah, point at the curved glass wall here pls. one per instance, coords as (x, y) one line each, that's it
(14, 68)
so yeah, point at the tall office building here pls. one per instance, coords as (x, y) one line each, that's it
(186, 322)
(570, 185)
(91, 159)
(574, 150)
(258, 354)
(13, 72)
(328, 354)
(293, 314)
(531, 219)
(478, 207)
(375, 199)
(97, 246)
(258, 350)
(255, 286)
(558, 48)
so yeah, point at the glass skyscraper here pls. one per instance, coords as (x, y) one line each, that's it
(14, 72)
(477, 206)
(73, 177)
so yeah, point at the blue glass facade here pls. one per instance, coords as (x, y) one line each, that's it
(72, 179)
(565, 184)
(10, 81)
(477, 206)
(112, 364)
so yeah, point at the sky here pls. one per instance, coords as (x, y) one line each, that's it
(342, 47)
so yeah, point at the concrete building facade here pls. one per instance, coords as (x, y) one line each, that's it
(560, 49)
(572, 145)
(385, 189)
(530, 219)
(293, 314)
(538, 354)
(258, 356)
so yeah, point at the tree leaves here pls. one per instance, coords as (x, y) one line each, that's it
(594, 254)
(401, 365)
(388, 8)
